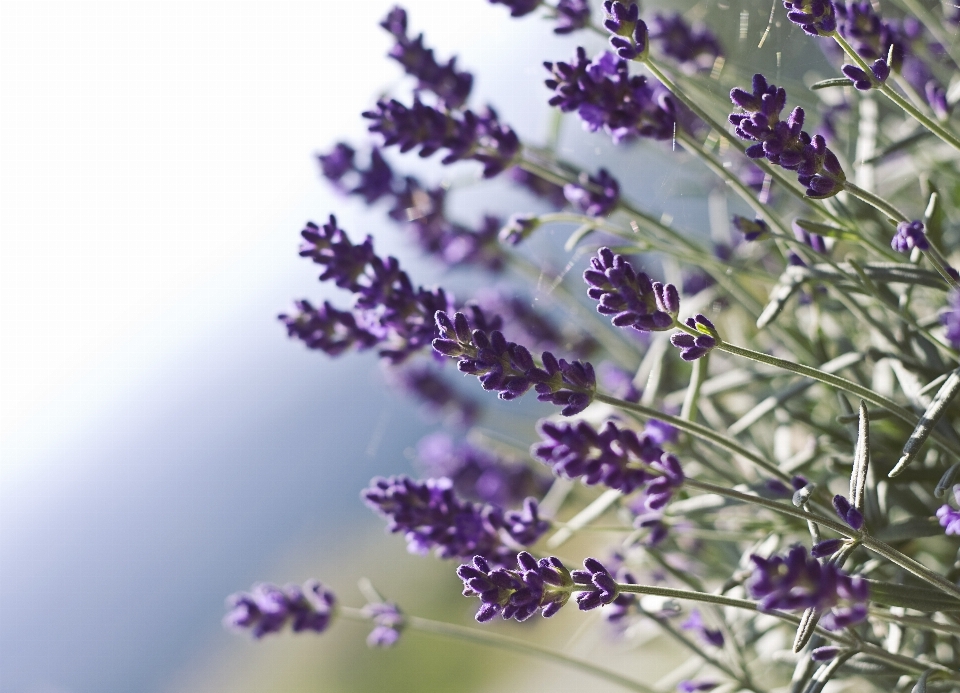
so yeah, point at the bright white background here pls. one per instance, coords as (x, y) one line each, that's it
(160, 440)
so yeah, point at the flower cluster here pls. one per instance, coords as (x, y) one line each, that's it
(545, 585)
(910, 235)
(607, 97)
(464, 135)
(847, 512)
(432, 516)
(387, 310)
(630, 39)
(797, 581)
(785, 143)
(816, 17)
(693, 47)
(616, 457)
(479, 474)
(572, 15)
(268, 608)
(693, 347)
(452, 87)
(949, 517)
(509, 368)
(596, 196)
(631, 297)
(388, 622)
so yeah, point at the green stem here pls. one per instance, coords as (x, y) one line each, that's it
(697, 430)
(908, 108)
(504, 642)
(836, 381)
(875, 545)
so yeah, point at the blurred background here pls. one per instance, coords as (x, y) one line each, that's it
(162, 444)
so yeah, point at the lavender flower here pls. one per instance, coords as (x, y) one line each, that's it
(337, 163)
(630, 296)
(445, 81)
(948, 517)
(864, 81)
(616, 457)
(605, 589)
(825, 548)
(523, 316)
(518, 8)
(751, 230)
(810, 239)
(572, 15)
(910, 235)
(695, 48)
(268, 608)
(694, 347)
(816, 17)
(465, 135)
(388, 622)
(596, 196)
(824, 654)
(509, 368)
(478, 474)
(689, 686)
(950, 319)
(847, 512)
(695, 623)
(784, 142)
(518, 227)
(797, 582)
(607, 97)
(629, 38)
(432, 517)
(543, 585)
(386, 307)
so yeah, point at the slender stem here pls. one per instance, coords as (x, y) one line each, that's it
(774, 173)
(689, 409)
(836, 381)
(875, 545)
(504, 642)
(697, 430)
(875, 201)
(908, 108)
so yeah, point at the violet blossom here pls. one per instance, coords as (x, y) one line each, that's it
(268, 608)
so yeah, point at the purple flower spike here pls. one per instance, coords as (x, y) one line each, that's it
(751, 230)
(694, 347)
(950, 319)
(607, 97)
(816, 17)
(630, 296)
(847, 512)
(629, 40)
(865, 81)
(518, 8)
(605, 588)
(824, 654)
(616, 457)
(388, 622)
(696, 686)
(433, 517)
(572, 15)
(451, 86)
(268, 608)
(796, 582)
(543, 585)
(518, 227)
(595, 196)
(509, 368)
(950, 518)
(825, 548)
(784, 142)
(337, 163)
(910, 235)
(708, 635)
(695, 48)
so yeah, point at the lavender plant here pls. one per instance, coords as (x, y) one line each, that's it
(763, 428)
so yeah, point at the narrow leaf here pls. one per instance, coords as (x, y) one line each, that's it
(921, 686)
(928, 421)
(911, 597)
(861, 459)
(807, 627)
(832, 82)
